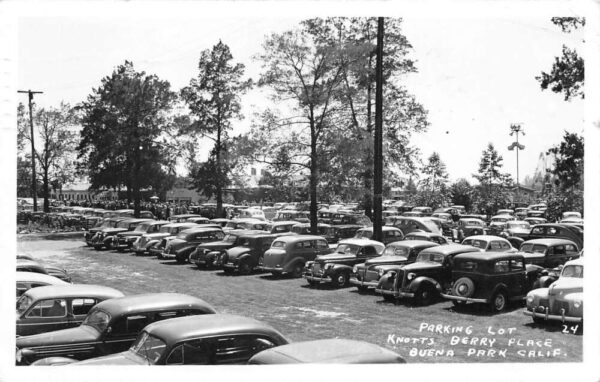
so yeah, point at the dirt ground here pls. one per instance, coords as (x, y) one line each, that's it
(435, 333)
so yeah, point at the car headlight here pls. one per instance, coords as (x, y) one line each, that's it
(577, 304)
(529, 300)
(410, 276)
(354, 269)
(19, 355)
(328, 266)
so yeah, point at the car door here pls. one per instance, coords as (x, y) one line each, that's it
(44, 316)
(122, 332)
(79, 308)
(555, 256)
(518, 278)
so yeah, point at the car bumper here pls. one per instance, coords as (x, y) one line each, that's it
(169, 256)
(362, 283)
(552, 317)
(319, 279)
(270, 269)
(465, 299)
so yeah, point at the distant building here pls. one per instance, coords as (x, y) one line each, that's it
(79, 191)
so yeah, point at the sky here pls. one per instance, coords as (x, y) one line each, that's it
(475, 75)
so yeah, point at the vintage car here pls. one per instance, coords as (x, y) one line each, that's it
(206, 254)
(549, 253)
(521, 212)
(244, 257)
(104, 237)
(252, 213)
(336, 351)
(498, 223)
(447, 221)
(460, 209)
(428, 236)
(215, 339)
(185, 242)
(36, 267)
(396, 254)
(571, 214)
(245, 223)
(424, 211)
(125, 240)
(110, 327)
(411, 224)
(299, 216)
(335, 233)
(155, 243)
(414, 214)
(505, 212)
(578, 222)
(489, 243)
(424, 279)
(304, 229)
(55, 307)
(106, 223)
(535, 221)
(491, 278)
(182, 218)
(468, 227)
(536, 214)
(562, 300)
(389, 234)
(28, 280)
(344, 218)
(517, 228)
(289, 254)
(335, 268)
(199, 220)
(220, 221)
(559, 231)
(282, 226)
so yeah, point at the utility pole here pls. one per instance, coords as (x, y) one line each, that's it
(516, 128)
(378, 160)
(33, 176)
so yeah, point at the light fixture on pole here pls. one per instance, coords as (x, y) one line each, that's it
(516, 129)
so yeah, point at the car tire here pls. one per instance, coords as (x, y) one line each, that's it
(459, 304)
(227, 271)
(498, 301)
(109, 245)
(340, 279)
(297, 270)
(424, 295)
(312, 283)
(538, 320)
(245, 268)
(276, 274)
(389, 297)
(463, 287)
(362, 289)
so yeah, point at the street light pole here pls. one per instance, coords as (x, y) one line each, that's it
(33, 176)
(516, 129)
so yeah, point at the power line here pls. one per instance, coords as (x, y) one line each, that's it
(33, 177)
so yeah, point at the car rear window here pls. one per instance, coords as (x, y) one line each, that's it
(468, 266)
(572, 271)
(533, 248)
(396, 251)
(430, 257)
(278, 244)
(475, 243)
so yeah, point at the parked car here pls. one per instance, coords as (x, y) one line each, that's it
(220, 221)
(521, 213)
(549, 253)
(335, 233)
(106, 223)
(104, 238)
(156, 243)
(489, 243)
(252, 213)
(125, 240)
(389, 234)
(244, 257)
(536, 214)
(36, 267)
(335, 268)
(498, 223)
(535, 221)
(447, 221)
(559, 231)
(562, 300)
(468, 227)
(245, 223)
(206, 254)
(395, 255)
(571, 214)
(491, 278)
(339, 351)
(424, 211)
(573, 221)
(215, 339)
(424, 279)
(506, 212)
(299, 216)
(198, 220)
(55, 307)
(289, 254)
(182, 218)
(28, 280)
(344, 218)
(110, 327)
(304, 229)
(428, 236)
(517, 228)
(185, 242)
(282, 226)
(410, 224)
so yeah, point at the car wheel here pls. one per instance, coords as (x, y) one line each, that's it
(109, 245)
(464, 287)
(498, 302)
(227, 271)
(180, 260)
(245, 268)
(459, 304)
(362, 289)
(424, 295)
(388, 297)
(340, 279)
(297, 270)
(159, 256)
(538, 320)
(312, 283)
(276, 274)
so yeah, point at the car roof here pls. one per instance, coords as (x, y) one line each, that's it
(578, 261)
(73, 290)
(137, 220)
(295, 238)
(362, 242)
(489, 256)
(412, 244)
(423, 233)
(180, 329)
(38, 277)
(283, 222)
(517, 222)
(163, 222)
(549, 241)
(308, 225)
(450, 249)
(383, 228)
(27, 262)
(335, 350)
(152, 301)
(202, 229)
(181, 224)
(486, 238)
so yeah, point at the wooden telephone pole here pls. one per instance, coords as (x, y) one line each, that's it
(378, 160)
(33, 176)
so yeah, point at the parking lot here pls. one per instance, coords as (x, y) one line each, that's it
(435, 333)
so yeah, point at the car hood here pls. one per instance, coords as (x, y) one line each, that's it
(565, 285)
(70, 336)
(156, 236)
(114, 230)
(130, 233)
(422, 266)
(123, 358)
(386, 260)
(518, 231)
(334, 257)
(216, 245)
(532, 256)
(176, 243)
(236, 252)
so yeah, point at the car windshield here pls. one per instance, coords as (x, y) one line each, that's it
(415, 237)
(519, 225)
(23, 303)
(430, 257)
(244, 242)
(97, 319)
(533, 248)
(363, 234)
(230, 238)
(278, 244)
(395, 251)
(475, 243)
(101, 223)
(123, 224)
(347, 249)
(476, 223)
(573, 271)
(165, 229)
(431, 225)
(149, 347)
(142, 227)
(499, 220)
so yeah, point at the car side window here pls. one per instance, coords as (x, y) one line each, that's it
(194, 352)
(81, 306)
(129, 325)
(321, 244)
(516, 265)
(537, 230)
(494, 245)
(49, 308)
(551, 231)
(501, 266)
(558, 250)
(239, 349)
(505, 245)
(570, 248)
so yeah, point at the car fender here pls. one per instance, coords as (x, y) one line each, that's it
(545, 281)
(501, 286)
(421, 281)
(152, 243)
(244, 256)
(185, 250)
(341, 268)
(107, 239)
(289, 265)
